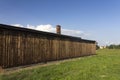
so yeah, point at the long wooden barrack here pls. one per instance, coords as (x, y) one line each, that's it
(22, 46)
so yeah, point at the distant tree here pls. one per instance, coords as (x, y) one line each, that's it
(113, 46)
(97, 47)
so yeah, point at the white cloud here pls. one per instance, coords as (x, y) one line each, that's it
(17, 25)
(47, 28)
(50, 28)
(73, 32)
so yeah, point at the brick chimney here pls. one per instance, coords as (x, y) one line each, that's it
(58, 29)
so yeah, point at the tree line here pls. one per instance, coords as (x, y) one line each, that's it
(113, 46)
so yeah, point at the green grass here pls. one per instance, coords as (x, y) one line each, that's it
(103, 66)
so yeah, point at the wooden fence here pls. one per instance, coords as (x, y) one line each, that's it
(21, 46)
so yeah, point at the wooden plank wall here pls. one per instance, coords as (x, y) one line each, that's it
(22, 48)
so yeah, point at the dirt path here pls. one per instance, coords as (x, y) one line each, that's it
(33, 66)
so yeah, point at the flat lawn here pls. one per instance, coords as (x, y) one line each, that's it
(103, 66)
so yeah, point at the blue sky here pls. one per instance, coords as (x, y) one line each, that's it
(98, 18)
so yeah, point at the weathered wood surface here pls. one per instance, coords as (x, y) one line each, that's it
(19, 46)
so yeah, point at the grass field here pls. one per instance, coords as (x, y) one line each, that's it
(103, 66)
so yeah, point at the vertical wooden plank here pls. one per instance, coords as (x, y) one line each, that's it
(94, 48)
(21, 47)
(40, 48)
(12, 42)
(1, 47)
(15, 54)
(3, 55)
(60, 48)
(9, 45)
(7, 49)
